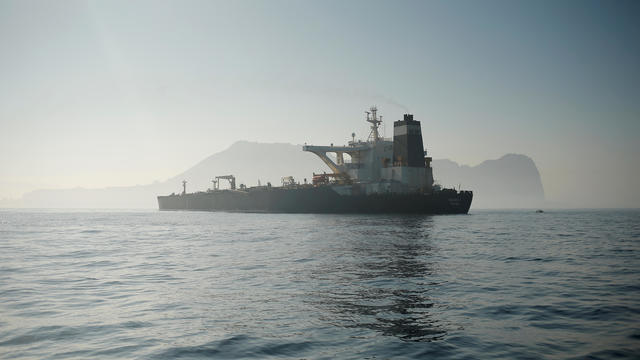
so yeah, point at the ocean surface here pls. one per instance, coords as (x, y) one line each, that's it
(190, 285)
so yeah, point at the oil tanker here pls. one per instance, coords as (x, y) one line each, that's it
(378, 175)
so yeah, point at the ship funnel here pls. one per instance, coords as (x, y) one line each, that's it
(408, 149)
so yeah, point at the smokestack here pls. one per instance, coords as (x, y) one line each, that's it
(408, 149)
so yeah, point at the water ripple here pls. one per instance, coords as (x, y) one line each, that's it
(165, 285)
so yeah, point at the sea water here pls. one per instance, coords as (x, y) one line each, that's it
(164, 285)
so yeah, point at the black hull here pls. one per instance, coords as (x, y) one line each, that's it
(319, 200)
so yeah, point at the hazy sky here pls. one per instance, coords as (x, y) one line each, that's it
(127, 92)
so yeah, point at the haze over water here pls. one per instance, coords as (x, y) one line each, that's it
(99, 94)
(106, 94)
(164, 285)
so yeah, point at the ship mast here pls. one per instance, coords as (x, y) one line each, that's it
(375, 121)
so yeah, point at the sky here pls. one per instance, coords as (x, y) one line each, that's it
(104, 93)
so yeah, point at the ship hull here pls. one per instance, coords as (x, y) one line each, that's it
(318, 200)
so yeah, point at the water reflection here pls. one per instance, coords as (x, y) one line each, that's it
(379, 277)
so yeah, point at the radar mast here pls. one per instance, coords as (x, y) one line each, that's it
(375, 121)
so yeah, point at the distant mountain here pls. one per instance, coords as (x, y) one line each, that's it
(511, 181)
(250, 162)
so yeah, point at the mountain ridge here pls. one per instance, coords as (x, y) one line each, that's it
(512, 181)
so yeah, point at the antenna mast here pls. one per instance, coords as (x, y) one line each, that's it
(375, 121)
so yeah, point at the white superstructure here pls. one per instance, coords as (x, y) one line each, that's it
(379, 165)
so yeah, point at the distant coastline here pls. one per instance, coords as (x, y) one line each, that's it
(512, 181)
